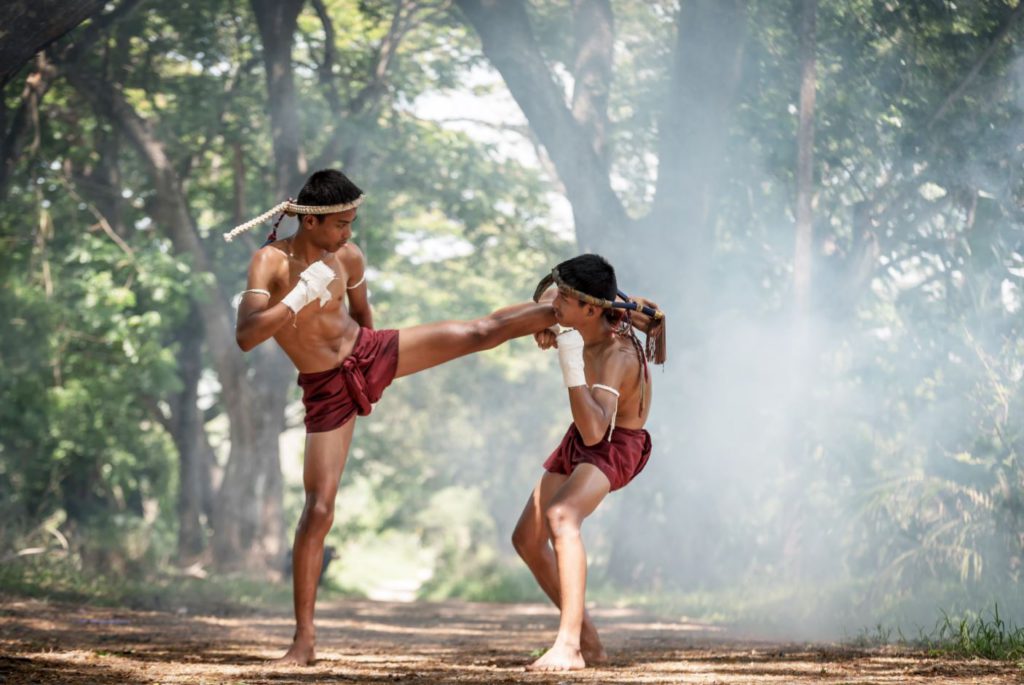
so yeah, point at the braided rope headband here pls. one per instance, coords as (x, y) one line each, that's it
(289, 208)
(656, 333)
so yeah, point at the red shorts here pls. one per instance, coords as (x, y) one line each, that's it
(620, 459)
(332, 397)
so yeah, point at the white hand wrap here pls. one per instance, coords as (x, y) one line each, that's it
(312, 285)
(570, 357)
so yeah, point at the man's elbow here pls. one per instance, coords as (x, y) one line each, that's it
(592, 435)
(245, 342)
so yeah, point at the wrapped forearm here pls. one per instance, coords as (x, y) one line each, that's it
(570, 358)
(312, 285)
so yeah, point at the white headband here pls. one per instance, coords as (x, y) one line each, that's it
(290, 208)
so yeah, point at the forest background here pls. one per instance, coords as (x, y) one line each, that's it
(824, 195)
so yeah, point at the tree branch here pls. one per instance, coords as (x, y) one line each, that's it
(171, 209)
(368, 100)
(12, 144)
(30, 26)
(983, 58)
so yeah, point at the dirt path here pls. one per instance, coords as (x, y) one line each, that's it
(451, 642)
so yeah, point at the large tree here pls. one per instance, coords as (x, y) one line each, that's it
(28, 26)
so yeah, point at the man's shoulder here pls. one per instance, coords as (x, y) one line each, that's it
(270, 255)
(350, 254)
(622, 351)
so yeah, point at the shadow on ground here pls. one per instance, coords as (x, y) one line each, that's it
(449, 642)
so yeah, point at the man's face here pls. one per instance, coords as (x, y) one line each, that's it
(335, 230)
(569, 311)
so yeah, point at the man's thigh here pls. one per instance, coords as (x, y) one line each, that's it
(532, 518)
(325, 458)
(582, 491)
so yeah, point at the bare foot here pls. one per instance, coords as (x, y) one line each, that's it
(302, 652)
(591, 647)
(559, 658)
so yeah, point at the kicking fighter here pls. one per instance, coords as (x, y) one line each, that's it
(295, 295)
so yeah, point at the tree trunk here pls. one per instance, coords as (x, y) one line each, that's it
(594, 43)
(693, 134)
(248, 529)
(239, 207)
(277, 21)
(508, 42)
(803, 256)
(28, 26)
(186, 428)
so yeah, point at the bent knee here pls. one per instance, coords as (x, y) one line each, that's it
(562, 520)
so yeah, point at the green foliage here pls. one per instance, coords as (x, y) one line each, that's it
(987, 637)
(979, 635)
(86, 359)
(63, 578)
(910, 419)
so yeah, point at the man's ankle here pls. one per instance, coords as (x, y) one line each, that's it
(569, 643)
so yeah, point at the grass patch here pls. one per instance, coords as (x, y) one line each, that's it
(984, 635)
(987, 637)
(58, 578)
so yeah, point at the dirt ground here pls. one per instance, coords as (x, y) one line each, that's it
(449, 642)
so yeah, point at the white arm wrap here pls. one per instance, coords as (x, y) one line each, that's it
(570, 357)
(312, 285)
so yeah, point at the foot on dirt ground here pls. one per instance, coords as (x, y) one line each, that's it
(559, 658)
(301, 653)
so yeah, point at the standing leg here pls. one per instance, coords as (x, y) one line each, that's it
(574, 501)
(321, 472)
(422, 347)
(531, 540)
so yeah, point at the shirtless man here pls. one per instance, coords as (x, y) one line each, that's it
(295, 294)
(605, 370)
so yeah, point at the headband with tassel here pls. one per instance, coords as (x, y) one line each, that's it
(289, 208)
(655, 348)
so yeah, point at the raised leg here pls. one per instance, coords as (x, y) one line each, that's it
(321, 472)
(422, 347)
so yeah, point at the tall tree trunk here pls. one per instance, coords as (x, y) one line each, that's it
(594, 43)
(508, 42)
(248, 527)
(803, 256)
(277, 21)
(238, 183)
(189, 436)
(692, 137)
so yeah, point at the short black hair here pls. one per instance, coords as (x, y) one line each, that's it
(590, 274)
(328, 187)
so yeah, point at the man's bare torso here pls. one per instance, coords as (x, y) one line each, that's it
(321, 336)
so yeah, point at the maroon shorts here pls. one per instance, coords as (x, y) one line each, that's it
(331, 397)
(620, 459)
